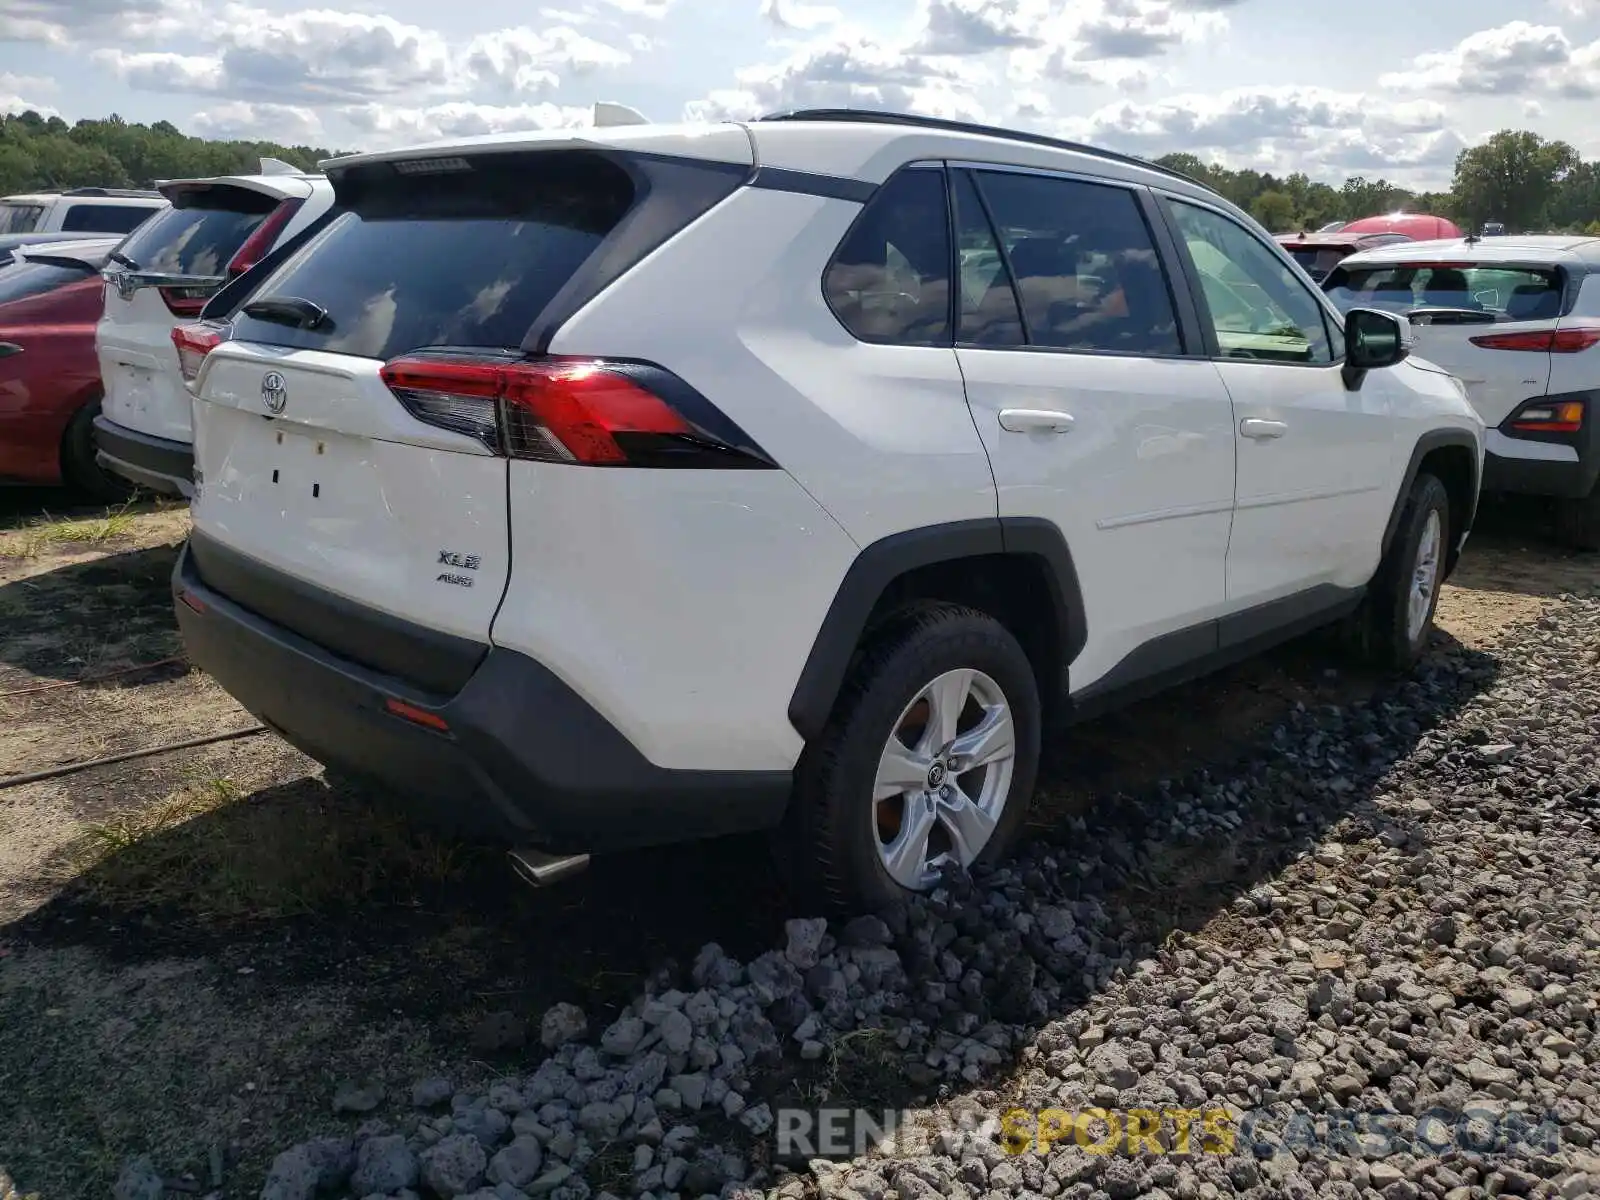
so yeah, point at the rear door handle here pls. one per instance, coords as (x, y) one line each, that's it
(1035, 420)
(7, 349)
(1252, 427)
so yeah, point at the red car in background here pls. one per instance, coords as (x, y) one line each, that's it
(1419, 227)
(1321, 252)
(51, 299)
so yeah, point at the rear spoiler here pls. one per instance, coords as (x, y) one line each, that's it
(609, 112)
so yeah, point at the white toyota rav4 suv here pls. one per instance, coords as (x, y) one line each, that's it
(1517, 320)
(161, 276)
(623, 486)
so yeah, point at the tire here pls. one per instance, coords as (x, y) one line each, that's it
(1578, 521)
(78, 466)
(1385, 631)
(829, 844)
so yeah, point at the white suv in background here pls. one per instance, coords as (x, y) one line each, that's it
(624, 486)
(1517, 319)
(85, 210)
(163, 274)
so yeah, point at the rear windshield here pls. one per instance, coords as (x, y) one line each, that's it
(1504, 292)
(19, 218)
(104, 218)
(200, 233)
(1317, 261)
(467, 257)
(23, 279)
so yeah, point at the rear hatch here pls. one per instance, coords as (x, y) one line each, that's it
(325, 451)
(1492, 325)
(164, 273)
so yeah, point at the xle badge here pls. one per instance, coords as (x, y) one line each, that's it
(464, 562)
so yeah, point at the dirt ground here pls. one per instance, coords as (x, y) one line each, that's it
(196, 947)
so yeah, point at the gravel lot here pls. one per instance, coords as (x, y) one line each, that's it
(1288, 892)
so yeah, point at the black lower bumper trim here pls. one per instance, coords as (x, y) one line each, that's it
(157, 463)
(1540, 477)
(525, 758)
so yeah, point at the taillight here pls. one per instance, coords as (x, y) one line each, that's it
(186, 301)
(1558, 416)
(258, 243)
(584, 412)
(1568, 339)
(194, 341)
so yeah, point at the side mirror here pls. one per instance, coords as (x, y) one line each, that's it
(1373, 339)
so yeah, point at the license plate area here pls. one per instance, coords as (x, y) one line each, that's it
(298, 467)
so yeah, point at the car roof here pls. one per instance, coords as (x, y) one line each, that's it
(1551, 248)
(856, 144)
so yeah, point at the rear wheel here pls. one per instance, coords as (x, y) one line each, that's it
(78, 466)
(1392, 627)
(1578, 521)
(929, 761)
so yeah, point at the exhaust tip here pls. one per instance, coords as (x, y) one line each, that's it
(539, 869)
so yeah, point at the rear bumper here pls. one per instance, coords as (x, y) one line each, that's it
(152, 462)
(1569, 478)
(524, 758)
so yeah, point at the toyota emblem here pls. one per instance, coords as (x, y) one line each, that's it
(274, 392)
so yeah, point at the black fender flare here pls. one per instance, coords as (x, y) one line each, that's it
(1434, 439)
(879, 564)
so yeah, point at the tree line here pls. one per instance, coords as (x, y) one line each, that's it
(1516, 177)
(45, 154)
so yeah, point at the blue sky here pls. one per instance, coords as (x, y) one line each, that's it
(1360, 87)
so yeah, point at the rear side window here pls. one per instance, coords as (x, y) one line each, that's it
(889, 280)
(1505, 293)
(200, 233)
(989, 312)
(1084, 264)
(24, 279)
(104, 218)
(467, 257)
(20, 218)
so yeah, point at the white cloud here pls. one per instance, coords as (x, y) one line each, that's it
(315, 57)
(31, 84)
(849, 70)
(799, 15)
(531, 61)
(969, 58)
(68, 22)
(11, 103)
(979, 26)
(655, 10)
(1313, 129)
(393, 126)
(159, 71)
(286, 124)
(1514, 59)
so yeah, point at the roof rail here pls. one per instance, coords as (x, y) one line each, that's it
(129, 193)
(867, 116)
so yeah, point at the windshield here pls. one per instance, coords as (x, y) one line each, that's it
(1506, 293)
(19, 218)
